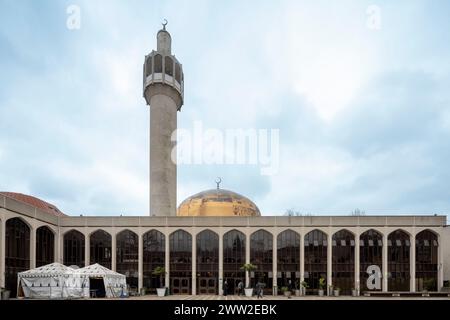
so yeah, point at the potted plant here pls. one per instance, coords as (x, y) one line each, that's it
(322, 285)
(354, 293)
(303, 286)
(160, 272)
(428, 285)
(4, 294)
(297, 289)
(337, 290)
(286, 292)
(248, 267)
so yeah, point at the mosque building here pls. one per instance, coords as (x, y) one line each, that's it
(213, 233)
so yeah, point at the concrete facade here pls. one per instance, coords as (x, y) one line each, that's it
(34, 218)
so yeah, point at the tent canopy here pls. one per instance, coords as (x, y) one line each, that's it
(47, 271)
(56, 281)
(97, 270)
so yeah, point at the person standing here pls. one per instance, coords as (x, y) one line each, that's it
(240, 288)
(225, 288)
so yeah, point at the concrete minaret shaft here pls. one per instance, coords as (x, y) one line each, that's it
(163, 91)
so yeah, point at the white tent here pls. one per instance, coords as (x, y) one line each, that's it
(114, 282)
(52, 281)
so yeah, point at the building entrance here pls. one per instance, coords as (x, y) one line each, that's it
(180, 285)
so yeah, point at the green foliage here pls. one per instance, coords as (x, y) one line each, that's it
(249, 267)
(322, 283)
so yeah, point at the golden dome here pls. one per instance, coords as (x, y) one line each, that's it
(218, 202)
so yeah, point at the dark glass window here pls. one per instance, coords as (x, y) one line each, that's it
(261, 255)
(100, 244)
(74, 249)
(316, 245)
(426, 261)
(398, 261)
(45, 246)
(288, 258)
(177, 72)
(154, 256)
(180, 262)
(127, 246)
(233, 259)
(343, 265)
(148, 66)
(168, 65)
(17, 252)
(207, 262)
(158, 63)
(371, 252)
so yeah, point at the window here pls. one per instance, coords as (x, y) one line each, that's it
(45, 245)
(233, 259)
(74, 249)
(261, 248)
(100, 248)
(288, 256)
(398, 262)
(315, 258)
(343, 266)
(154, 256)
(127, 245)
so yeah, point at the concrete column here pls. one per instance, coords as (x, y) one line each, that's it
(194, 264)
(61, 246)
(32, 247)
(412, 261)
(87, 249)
(113, 250)
(385, 262)
(440, 263)
(247, 257)
(163, 171)
(56, 249)
(302, 257)
(274, 262)
(141, 261)
(357, 264)
(221, 279)
(167, 261)
(2, 251)
(329, 261)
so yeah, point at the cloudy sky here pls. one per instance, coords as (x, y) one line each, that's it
(359, 90)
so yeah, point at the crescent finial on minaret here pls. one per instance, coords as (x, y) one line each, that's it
(164, 24)
(218, 181)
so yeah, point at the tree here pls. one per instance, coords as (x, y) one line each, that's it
(358, 212)
(248, 267)
(160, 272)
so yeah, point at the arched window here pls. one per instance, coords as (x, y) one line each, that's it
(158, 63)
(17, 252)
(45, 246)
(177, 72)
(261, 248)
(288, 258)
(168, 65)
(398, 261)
(207, 262)
(427, 261)
(74, 249)
(100, 244)
(371, 253)
(180, 262)
(148, 66)
(127, 244)
(316, 245)
(233, 259)
(343, 265)
(154, 256)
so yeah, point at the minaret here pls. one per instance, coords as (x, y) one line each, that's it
(163, 91)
